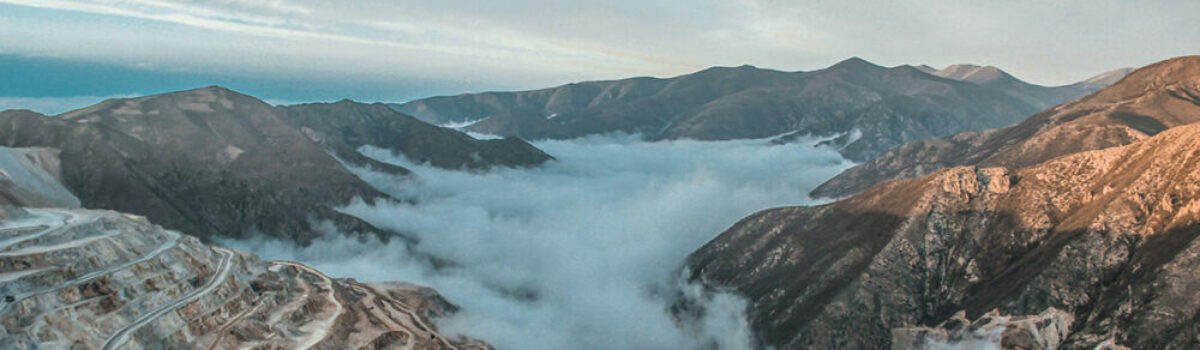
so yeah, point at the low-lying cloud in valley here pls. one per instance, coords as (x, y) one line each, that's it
(581, 253)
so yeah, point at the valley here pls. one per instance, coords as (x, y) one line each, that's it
(746, 175)
(566, 254)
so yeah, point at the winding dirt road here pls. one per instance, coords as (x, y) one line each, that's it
(122, 335)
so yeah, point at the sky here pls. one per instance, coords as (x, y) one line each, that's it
(394, 51)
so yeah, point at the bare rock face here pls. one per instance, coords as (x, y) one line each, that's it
(1108, 236)
(1144, 103)
(887, 106)
(1044, 331)
(104, 280)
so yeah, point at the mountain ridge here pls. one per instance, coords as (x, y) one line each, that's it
(1138, 106)
(890, 106)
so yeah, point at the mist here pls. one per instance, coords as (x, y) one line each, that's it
(585, 252)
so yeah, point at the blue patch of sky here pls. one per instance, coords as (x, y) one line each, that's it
(23, 76)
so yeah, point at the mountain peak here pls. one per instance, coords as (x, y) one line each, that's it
(205, 99)
(856, 63)
(207, 90)
(211, 89)
(1183, 70)
(972, 73)
(745, 68)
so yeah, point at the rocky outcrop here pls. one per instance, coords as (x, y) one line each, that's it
(346, 126)
(213, 162)
(886, 106)
(1108, 236)
(1043, 331)
(1144, 103)
(103, 280)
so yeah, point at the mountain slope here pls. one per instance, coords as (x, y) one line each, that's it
(1145, 102)
(887, 106)
(73, 278)
(33, 177)
(210, 162)
(104, 280)
(1040, 96)
(345, 126)
(1089, 235)
(213, 162)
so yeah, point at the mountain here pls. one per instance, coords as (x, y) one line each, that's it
(103, 280)
(97, 279)
(1041, 96)
(873, 108)
(1096, 248)
(1104, 79)
(970, 73)
(1147, 101)
(213, 162)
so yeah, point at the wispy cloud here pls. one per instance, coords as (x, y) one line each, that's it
(425, 35)
(540, 42)
(583, 253)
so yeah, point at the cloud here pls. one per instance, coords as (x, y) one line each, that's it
(537, 43)
(582, 253)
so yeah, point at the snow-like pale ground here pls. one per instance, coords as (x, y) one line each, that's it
(17, 167)
(582, 253)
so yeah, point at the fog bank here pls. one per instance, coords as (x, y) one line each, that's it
(583, 252)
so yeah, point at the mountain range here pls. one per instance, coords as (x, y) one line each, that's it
(1076, 229)
(873, 108)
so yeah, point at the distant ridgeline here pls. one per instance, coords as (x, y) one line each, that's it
(886, 107)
